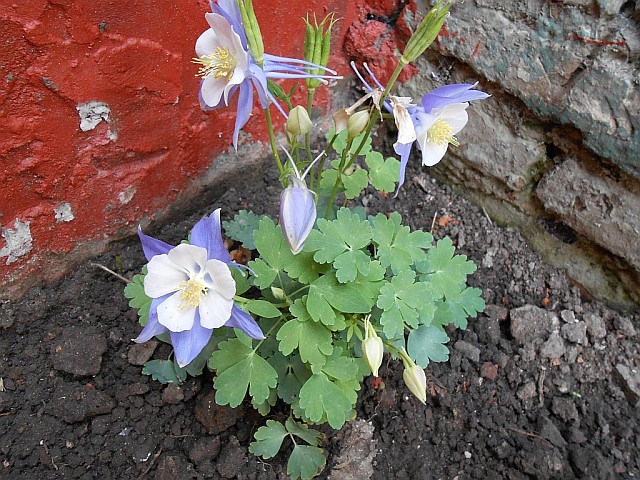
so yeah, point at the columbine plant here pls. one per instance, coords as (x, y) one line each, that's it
(330, 290)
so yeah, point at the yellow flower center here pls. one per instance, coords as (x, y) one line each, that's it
(440, 133)
(192, 292)
(220, 63)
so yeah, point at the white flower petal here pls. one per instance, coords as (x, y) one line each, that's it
(175, 315)
(191, 258)
(217, 277)
(236, 79)
(455, 115)
(406, 130)
(163, 276)
(432, 153)
(215, 309)
(207, 43)
(212, 89)
(228, 39)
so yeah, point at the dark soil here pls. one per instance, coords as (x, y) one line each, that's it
(540, 386)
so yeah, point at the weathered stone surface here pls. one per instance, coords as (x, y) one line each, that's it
(629, 380)
(545, 55)
(79, 351)
(595, 326)
(468, 350)
(529, 323)
(554, 347)
(140, 353)
(603, 209)
(231, 459)
(172, 467)
(204, 450)
(355, 461)
(575, 332)
(213, 417)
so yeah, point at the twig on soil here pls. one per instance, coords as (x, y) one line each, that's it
(6, 414)
(543, 374)
(487, 215)
(106, 269)
(433, 224)
(529, 434)
(46, 450)
(153, 460)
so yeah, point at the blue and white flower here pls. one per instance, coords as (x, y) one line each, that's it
(226, 65)
(192, 290)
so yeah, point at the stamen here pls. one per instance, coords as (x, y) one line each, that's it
(441, 134)
(220, 63)
(192, 292)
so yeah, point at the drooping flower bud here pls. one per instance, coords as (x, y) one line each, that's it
(357, 123)
(426, 32)
(416, 380)
(372, 348)
(297, 213)
(299, 122)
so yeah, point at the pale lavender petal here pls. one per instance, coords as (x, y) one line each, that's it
(297, 213)
(402, 149)
(207, 233)
(245, 322)
(277, 59)
(260, 82)
(153, 327)
(457, 93)
(188, 344)
(152, 246)
(229, 10)
(245, 106)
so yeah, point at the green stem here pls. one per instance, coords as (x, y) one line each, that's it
(340, 169)
(268, 333)
(274, 146)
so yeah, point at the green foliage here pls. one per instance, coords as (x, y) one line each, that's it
(305, 462)
(312, 339)
(241, 228)
(427, 343)
(383, 174)
(446, 272)
(134, 291)
(274, 252)
(240, 368)
(262, 308)
(165, 371)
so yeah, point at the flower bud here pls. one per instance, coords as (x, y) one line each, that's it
(252, 30)
(297, 213)
(372, 347)
(416, 380)
(357, 123)
(278, 293)
(426, 32)
(340, 119)
(299, 122)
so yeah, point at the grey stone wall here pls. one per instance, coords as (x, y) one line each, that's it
(556, 150)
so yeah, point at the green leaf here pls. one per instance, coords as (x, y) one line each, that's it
(240, 368)
(446, 271)
(461, 305)
(295, 375)
(326, 292)
(134, 291)
(268, 440)
(340, 242)
(321, 397)
(263, 309)
(383, 174)
(303, 268)
(274, 252)
(340, 142)
(402, 299)
(197, 365)
(339, 367)
(300, 430)
(398, 246)
(354, 183)
(241, 277)
(427, 343)
(164, 371)
(312, 339)
(305, 462)
(241, 228)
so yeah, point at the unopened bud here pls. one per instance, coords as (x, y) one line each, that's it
(357, 123)
(278, 293)
(297, 213)
(426, 32)
(372, 351)
(252, 30)
(416, 380)
(299, 122)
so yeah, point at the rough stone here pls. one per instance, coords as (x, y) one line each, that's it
(78, 351)
(529, 323)
(140, 353)
(565, 408)
(549, 431)
(172, 394)
(568, 316)
(629, 380)
(468, 350)
(554, 347)
(204, 450)
(604, 209)
(74, 402)
(595, 326)
(575, 332)
(232, 458)
(624, 326)
(528, 390)
(355, 460)
(172, 467)
(213, 417)
(489, 371)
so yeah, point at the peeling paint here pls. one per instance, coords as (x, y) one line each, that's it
(92, 113)
(127, 194)
(63, 213)
(18, 241)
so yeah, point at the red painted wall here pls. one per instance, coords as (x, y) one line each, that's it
(65, 184)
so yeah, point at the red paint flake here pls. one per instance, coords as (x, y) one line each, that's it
(475, 50)
(593, 41)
